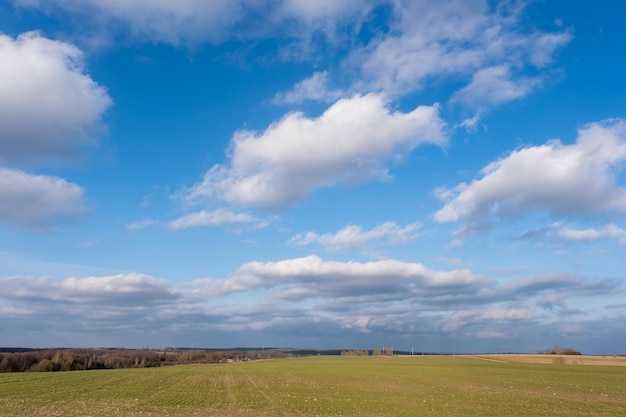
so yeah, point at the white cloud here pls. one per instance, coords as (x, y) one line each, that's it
(462, 39)
(492, 86)
(201, 20)
(465, 40)
(463, 318)
(122, 289)
(37, 200)
(471, 124)
(610, 231)
(313, 277)
(211, 218)
(388, 295)
(141, 224)
(161, 20)
(352, 236)
(312, 88)
(321, 9)
(348, 144)
(544, 46)
(286, 301)
(558, 178)
(489, 50)
(49, 108)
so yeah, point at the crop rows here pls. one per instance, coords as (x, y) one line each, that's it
(328, 386)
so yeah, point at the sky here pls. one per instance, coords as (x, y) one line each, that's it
(437, 176)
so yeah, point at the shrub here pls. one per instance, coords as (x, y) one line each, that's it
(557, 350)
(45, 365)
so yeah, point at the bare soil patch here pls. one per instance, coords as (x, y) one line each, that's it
(608, 360)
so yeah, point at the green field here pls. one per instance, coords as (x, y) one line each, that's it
(324, 386)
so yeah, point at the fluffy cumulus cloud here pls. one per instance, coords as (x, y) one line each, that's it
(314, 277)
(554, 177)
(348, 144)
(353, 236)
(49, 107)
(38, 201)
(50, 110)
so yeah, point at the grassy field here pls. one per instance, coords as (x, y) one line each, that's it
(326, 386)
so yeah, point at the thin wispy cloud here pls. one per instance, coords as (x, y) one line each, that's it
(211, 218)
(354, 237)
(141, 224)
(610, 231)
(197, 21)
(313, 88)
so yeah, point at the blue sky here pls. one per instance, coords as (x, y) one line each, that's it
(427, 175)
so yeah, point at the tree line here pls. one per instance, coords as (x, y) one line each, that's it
(558, 350)
(51, 360)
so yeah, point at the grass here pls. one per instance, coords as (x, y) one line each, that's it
(323, 386)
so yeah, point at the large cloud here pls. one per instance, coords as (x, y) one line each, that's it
(302, 301)
(37, 201)
(348, 144)
(313, 277)
(114, 290)
(86, 311)
(554, 177)
(49, 107)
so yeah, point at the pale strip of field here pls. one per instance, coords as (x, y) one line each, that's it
(608, 360)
